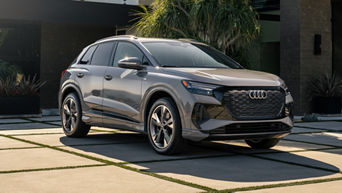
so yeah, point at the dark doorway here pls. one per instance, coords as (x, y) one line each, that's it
(337, 36)
(20, 46)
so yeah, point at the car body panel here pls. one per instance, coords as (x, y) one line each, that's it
(121, 102)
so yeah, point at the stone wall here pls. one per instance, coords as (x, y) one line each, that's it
(300, 21)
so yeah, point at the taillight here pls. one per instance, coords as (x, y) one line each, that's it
(62, 74)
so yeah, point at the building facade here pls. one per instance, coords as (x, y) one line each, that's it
(299, 38)
(310, 45)
(43, 37)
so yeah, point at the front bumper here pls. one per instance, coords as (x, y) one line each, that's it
(218, 123)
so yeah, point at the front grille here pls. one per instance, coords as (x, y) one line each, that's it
(242, 128)
(242, 107)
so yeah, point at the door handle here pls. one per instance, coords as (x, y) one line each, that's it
(108, 77)
(80, 75)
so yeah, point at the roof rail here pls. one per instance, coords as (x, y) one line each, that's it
(188, 40)
(119, 36)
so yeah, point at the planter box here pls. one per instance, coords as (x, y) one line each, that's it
(327, 105)
(19, 105)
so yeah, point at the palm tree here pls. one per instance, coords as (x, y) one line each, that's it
(228, 25)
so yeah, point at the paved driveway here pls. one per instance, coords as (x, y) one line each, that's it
(35, 157)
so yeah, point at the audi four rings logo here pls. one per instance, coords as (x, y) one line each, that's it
(257, 94)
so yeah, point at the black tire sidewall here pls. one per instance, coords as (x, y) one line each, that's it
(263, 143)
(177, 136)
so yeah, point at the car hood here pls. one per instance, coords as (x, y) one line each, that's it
(228, 77)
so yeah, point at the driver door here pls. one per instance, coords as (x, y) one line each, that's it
(122, 90)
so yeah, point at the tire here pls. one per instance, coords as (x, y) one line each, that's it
(71, 115)
(165, 131)
(262, 143)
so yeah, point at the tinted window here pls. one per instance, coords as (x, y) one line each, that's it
(125, 50)
(102, 54)
(87, 56)
(183, 54)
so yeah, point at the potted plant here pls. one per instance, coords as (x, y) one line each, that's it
(20, 95)
(326, 92)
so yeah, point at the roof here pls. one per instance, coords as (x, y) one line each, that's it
(143, 39)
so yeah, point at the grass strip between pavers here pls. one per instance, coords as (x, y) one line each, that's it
(43, 122)
(28, 134)
(18, 148)
(54, 168)
(96, 144)
(179, 159)
(55, 133)
(312, 143)
(208, 189)
(308, 132)
(324, 129)
(14, 123)
(294, 163)
(305, 182)
(107, 162)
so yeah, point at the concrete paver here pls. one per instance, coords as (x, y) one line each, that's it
(234, 171)
(219, 164)
(241, 147)
(325, 138)
(20, 159)
(134, 152)
(55, 122)
(333, 125)
(11, 143)
(304, 130)
(331, 187)
(47, 118)
(28, 125)
(94, 138)
(31, 131)
(95, 179)
(329, 159)
(4, 121)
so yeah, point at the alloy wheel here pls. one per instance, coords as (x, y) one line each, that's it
(162, 126)
(69, 115)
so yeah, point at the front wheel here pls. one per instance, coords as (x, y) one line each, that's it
(71, 114)
(262, 143)
(164, 127)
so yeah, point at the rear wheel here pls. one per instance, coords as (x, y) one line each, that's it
(71, 113)
(164, 127)
(262, 143)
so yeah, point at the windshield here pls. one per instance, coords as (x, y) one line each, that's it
(184, 54)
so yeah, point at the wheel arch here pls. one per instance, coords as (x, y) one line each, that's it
(67, 89)
(152, 97)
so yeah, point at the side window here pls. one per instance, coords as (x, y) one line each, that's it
(102, 54)
(87, 56)
(126, 49)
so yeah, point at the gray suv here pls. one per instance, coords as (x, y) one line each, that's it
(172, 90)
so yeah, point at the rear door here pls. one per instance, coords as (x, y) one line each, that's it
(89, 77)
(122, 90)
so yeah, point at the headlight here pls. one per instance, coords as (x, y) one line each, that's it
(283, 85)
(200, 88)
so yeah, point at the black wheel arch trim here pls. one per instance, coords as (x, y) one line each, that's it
(67, 86)
(161, 88)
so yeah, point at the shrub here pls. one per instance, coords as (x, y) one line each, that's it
(28, 86)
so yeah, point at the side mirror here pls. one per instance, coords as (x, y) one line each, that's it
(131, 63)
